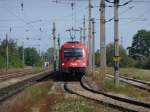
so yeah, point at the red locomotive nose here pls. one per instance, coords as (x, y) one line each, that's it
(73, 55)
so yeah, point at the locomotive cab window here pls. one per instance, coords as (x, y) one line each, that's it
(73, 52)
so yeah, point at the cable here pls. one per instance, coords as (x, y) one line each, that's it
(119, 4)
(108, 1)
(141, 15)
(16, 16)
(120, 13)
(141, 1)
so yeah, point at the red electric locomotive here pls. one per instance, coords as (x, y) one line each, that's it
(73, 57)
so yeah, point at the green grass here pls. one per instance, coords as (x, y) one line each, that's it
(74, 105)
(125, 89)
(140, 74)
(34, 97)
(122, 88)
(82, 105)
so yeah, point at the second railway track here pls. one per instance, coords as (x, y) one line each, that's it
(11, 87)
(85, 89)
(6, 76)
(137, 83)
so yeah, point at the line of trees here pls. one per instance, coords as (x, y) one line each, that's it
(31, 56)
(140, 49)
(137, 55)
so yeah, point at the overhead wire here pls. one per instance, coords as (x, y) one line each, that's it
(120, 13)
(141, 1)
(141, 15)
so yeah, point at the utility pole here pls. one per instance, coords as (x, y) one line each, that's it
(102, 40)
(116, 42)
(89, 36)
(23, 53)
(84, 30)
(93, 43)
(7, 54)
(54, 43)
(58, 41)
(81, 34)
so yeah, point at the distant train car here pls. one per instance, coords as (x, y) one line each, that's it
(73, 57)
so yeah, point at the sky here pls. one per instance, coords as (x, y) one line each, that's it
(26, 22)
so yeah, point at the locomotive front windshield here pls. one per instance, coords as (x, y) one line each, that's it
(73, 52)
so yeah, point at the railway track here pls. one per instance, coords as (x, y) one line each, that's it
(3, 72)
(137, 83)
(86, 89)
(13, 86)
(6, 76)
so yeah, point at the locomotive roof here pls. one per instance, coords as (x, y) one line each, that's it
(73, 43)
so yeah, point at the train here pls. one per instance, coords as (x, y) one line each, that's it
(73, 57)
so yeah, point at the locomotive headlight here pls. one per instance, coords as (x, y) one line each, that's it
(83, 64)
(62, 64)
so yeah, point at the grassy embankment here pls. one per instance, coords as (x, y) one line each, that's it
(140, 74)
(37, 99)
(122, 88)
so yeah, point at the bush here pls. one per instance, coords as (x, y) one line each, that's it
(127, 62)
(146, 63)
(2, 62)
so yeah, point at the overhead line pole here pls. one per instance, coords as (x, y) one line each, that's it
(58, 41)
(81, 37)
(84, 28)
(23, 62)
(89, 37)
(116, 42)
(54, 43)
(102, 41)
(93, 43)
(7, 54)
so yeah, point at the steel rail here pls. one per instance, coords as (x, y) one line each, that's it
(11, 88)
(14, 71)
(87, 89)
(87, 85)
(136, 80)
(137, 83)
(17, 74)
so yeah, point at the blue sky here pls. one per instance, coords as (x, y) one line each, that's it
(38, 14)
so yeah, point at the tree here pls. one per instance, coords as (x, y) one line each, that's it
(14, 59)
(140, 48)
(50, 55)
(146, 63)
(125, 61)
(32, 58)
(97, 58)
